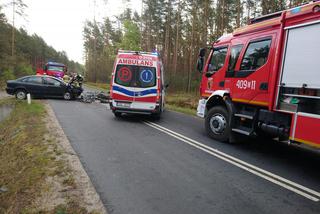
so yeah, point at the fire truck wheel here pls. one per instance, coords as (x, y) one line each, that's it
(216, 123)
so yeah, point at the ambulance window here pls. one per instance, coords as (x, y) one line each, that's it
(256, 56)
(124, 75)
(234, 56)
(146, 77)
(218, 59)
(135, 76)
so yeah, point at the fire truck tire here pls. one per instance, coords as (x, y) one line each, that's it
(217, 123)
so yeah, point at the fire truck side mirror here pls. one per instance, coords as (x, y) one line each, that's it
(200, 62)
(202, 52)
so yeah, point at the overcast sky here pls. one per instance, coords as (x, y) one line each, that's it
(60, 22)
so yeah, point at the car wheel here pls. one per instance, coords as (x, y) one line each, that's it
(217, 124)
(21, 94)
(67, 96)
(117, 114)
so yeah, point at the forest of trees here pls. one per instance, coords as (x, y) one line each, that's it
(20, 56)
(176, 28)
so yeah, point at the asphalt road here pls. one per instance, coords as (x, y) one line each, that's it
(171, 166)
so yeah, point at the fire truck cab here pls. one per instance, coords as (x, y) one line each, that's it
(137, 84)
(54, 69)
(263, 79)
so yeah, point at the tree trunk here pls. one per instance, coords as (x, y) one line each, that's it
(238, 22)
(175, 57)
(191, 47)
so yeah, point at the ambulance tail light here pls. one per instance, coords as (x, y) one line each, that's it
(110, 92)
(158, 95)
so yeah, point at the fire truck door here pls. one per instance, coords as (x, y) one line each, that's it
(250, 81)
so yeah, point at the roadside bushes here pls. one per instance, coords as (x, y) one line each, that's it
(4, 76)
(23, 70)
(20, 70)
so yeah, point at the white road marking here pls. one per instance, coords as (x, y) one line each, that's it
(283, 182)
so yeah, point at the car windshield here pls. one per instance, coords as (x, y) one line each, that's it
(55, 68)
(135, 76)
(53, 82)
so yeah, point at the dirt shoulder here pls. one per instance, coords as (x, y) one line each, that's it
(3, 95)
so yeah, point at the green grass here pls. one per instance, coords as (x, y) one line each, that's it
(182, 102)
(99, 86)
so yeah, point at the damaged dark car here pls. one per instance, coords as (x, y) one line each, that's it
(45, 87)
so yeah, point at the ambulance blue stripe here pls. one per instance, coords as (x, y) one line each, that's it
(132, 93)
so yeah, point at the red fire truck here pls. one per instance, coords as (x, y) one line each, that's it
(263, 79)
(53, 69)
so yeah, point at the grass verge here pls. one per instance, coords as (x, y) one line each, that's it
(182, 102)
(99, 86)
(28, 157)
(24, 159)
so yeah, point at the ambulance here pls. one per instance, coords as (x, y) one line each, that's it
(137, 84)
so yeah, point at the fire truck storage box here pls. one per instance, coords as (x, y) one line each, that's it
(302, 56)
(305, 129)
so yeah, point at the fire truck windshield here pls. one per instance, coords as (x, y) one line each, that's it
(218, 58)
(55, 68)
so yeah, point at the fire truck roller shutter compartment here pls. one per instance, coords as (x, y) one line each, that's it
(301, 58)
(300, 82)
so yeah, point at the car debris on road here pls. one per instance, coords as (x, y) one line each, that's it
(90, 97)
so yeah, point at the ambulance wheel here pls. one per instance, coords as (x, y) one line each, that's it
(156, 116)
(217, 124)
(117, 114)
